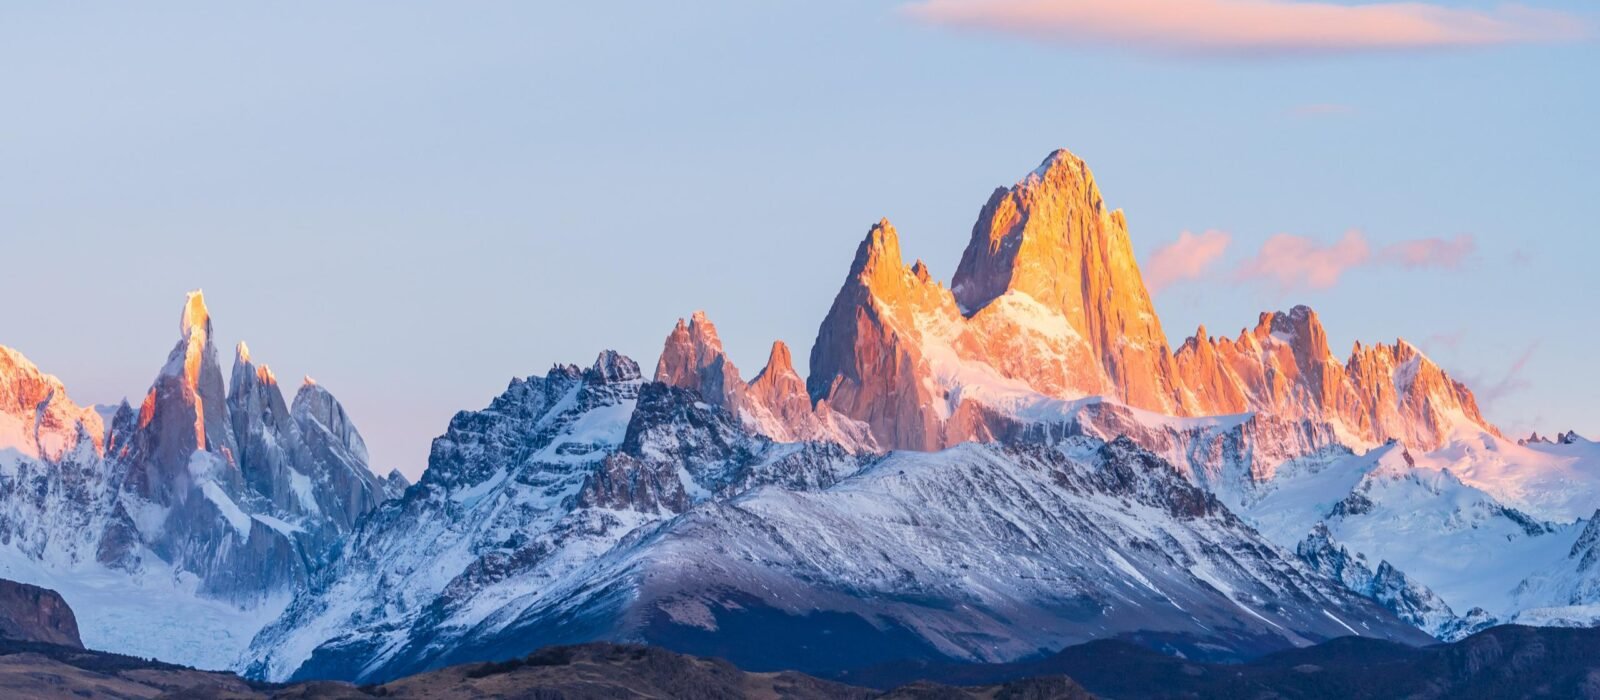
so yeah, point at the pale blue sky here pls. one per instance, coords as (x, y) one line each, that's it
(414, 202)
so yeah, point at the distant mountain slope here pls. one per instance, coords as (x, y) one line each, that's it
(591, 505)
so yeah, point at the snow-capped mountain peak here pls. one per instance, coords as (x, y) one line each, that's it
(211, 496)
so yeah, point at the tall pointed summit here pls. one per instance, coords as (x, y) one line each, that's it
(1048, 304)
(1051, 237)
(184, 412)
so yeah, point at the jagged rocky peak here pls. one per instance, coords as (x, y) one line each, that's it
(1386, 585)
(1534, 438)
(878, 256)
(1050, 237)
(264, 430)
(315, 404)
(780, 364)
(693, 358)
(1048, 303)
(1410, 397)
(779, 388)
(775, 404)
(612, 367)
(37, 418)
(1047, 299)
(1570, 437)
(252, 491)
(1284, 367)
(184, 412)
(867, 360)
(395, 484)
(1300, 328)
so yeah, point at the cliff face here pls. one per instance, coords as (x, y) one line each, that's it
(1051, 238)
(34, 614)
(868, 361)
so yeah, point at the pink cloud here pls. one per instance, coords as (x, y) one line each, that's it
(1184, 259)
(1430, 252)
(1292, 261)
(1252, 27)
(1299, 262)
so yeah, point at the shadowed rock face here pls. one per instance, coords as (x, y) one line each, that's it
(184, 412)
(33, 614)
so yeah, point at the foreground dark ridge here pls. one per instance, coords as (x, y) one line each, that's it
(47, 671)
(1509, 661)
(1502, 662)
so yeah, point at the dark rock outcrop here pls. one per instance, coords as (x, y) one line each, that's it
(32, 614)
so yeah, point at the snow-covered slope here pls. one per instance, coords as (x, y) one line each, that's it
(1554, 481)
(585, 505)
(517, 497)
(1455, 541)
(979, 552)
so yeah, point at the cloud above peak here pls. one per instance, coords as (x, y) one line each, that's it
(1252, 27)
(1187, 258)
(1289, 262)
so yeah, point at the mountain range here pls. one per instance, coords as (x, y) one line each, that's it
(981, 472)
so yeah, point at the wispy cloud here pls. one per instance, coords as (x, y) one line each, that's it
(1184, 259)
(1292, 262)
(1431, 252)
(1252, 27)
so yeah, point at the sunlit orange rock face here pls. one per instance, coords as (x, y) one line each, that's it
(775, 403)
(864, 363)
(693, 359)
(1051, 237)
(37, 418)
(1284, 367)
(1048, 303)
(1047, 299)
